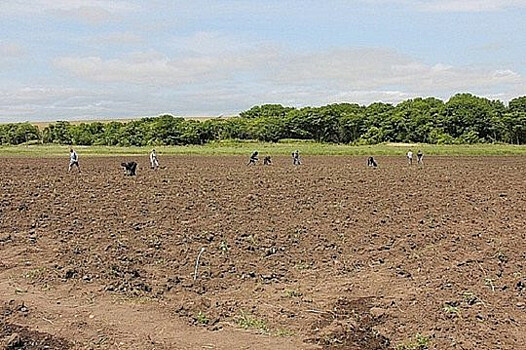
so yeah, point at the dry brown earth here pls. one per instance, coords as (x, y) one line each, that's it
(329, 255)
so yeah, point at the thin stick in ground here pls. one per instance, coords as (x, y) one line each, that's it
(197, 262)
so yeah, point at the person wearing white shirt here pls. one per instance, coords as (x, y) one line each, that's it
(154, 161)
(410, 157)
(73, 160)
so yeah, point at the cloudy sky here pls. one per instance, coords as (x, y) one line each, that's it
(87, 59)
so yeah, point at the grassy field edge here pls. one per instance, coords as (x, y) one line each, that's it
(279, 148)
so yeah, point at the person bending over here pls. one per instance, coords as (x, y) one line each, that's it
(253, 158)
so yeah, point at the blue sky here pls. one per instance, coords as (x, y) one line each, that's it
(80, 59)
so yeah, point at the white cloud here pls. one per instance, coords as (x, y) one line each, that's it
(11, 50)
(230, 81)
(452, 5)
(118, 38)
(469, 5)
(32, 6)
(354, 69)
(154, 68)
(58, 103)
(91, 12)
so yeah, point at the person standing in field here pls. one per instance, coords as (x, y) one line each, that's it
(296, 158)
(154, 161)
(253, 158)
(420, 157)
(73, 160)
(410, 157)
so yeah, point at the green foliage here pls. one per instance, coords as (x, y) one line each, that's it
(292, 293)
(283, 148)
(283, 332)
(419, 343)
(248, 321)
(269, 129)
(201, 318)
(451, 310)
(18, 133)
(464, 119)
(518, 105)
(268, 110)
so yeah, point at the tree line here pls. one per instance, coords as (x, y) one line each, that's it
(464, 118)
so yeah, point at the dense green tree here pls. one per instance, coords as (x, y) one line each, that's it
(518, 104)
(465, 118)
(18, 133)
(514, 127)
(268, 110)
(58, 132)
(465, 113)
(267, 129)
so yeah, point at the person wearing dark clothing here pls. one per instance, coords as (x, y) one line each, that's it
(129, 168)
(253, 158)
(296, 158)
(420, 157)
(371, 162)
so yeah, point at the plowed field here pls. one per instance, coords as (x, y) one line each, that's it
(327, 255)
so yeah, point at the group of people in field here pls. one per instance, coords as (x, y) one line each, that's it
(254, 157)
(130, 167)
(371, 162)
(419, 157)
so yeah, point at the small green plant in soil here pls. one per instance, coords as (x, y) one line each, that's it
(420, 342)
(282, 332)
(201, 318)
(292, 293)
(223, 247)
(248, 321)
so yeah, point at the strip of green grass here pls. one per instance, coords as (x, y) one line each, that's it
(279, 148)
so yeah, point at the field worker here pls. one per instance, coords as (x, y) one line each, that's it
(154, 162)
(253, 158)
(73, 160)
(267, 160)
(410, 157)
(296, 158)
(420, 157)
(371, 162)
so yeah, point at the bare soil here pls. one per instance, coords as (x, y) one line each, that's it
(327, 255)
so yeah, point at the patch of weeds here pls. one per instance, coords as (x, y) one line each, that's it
(36, 274)
(248, 321)
(161, 261)
(253, 240)
(282, 332)
(470, 298)
(201, 318)
(19, 290)
(451, 309)
(302, 265)
(46, 287)
(223, 247)
(419, 343)
(292, 293)
(490, 283)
